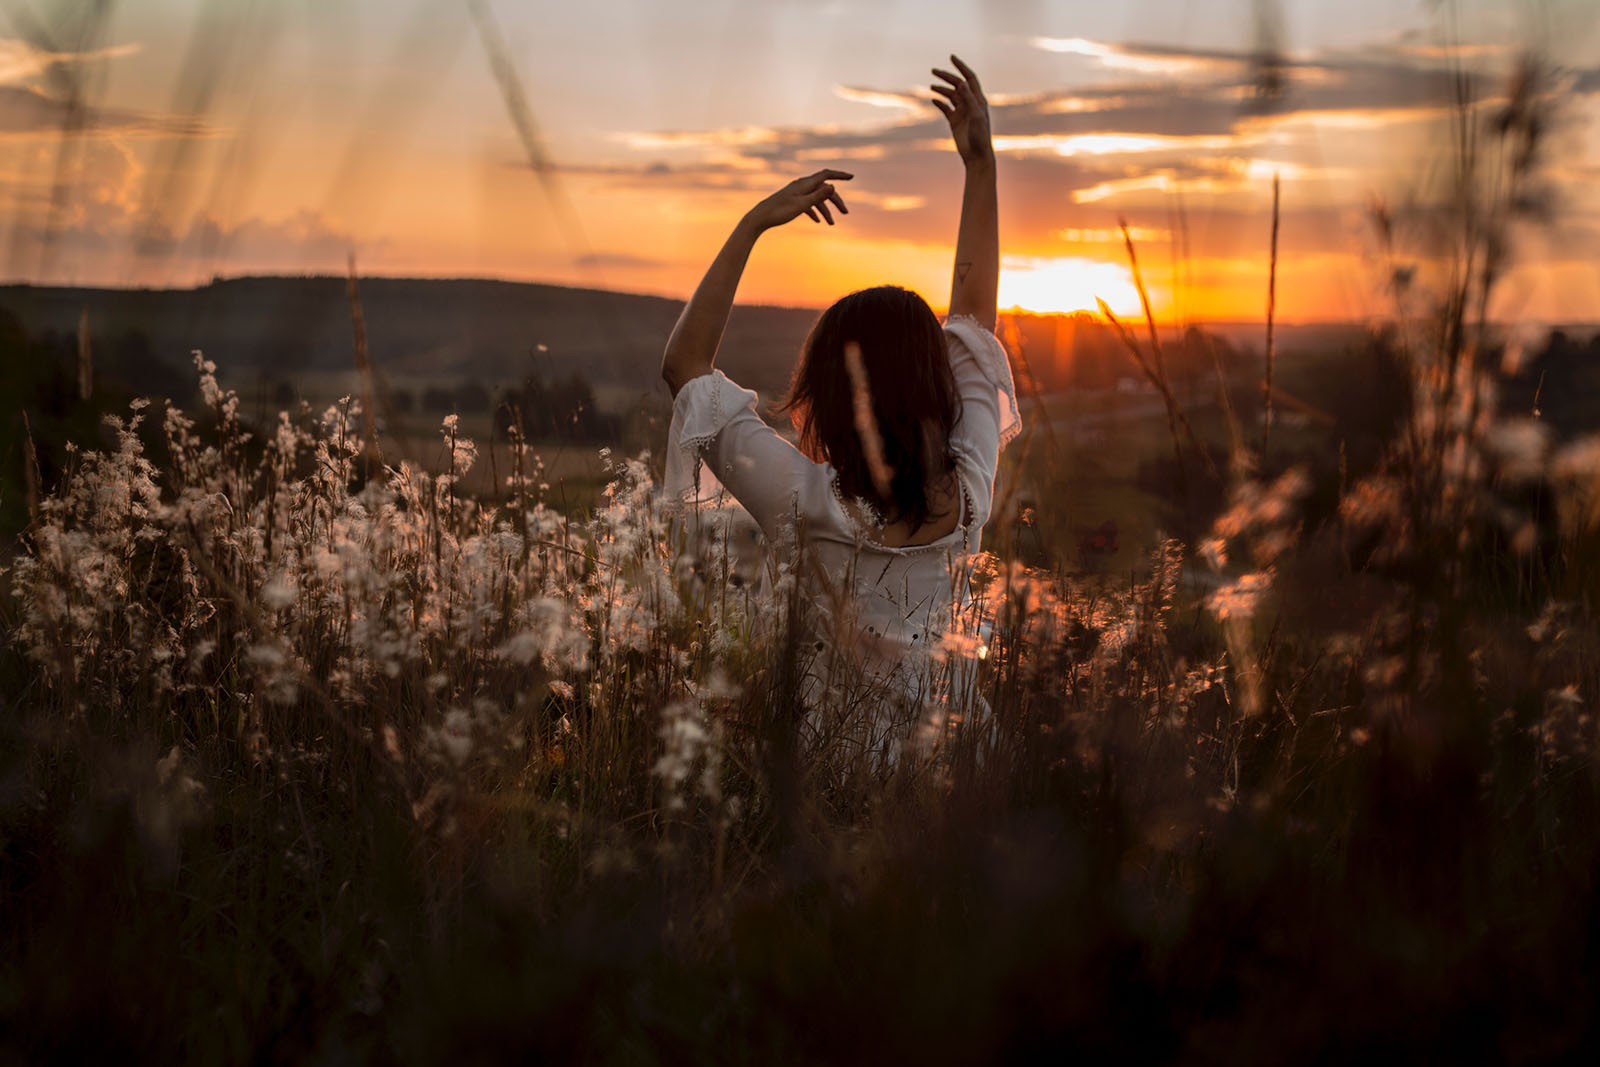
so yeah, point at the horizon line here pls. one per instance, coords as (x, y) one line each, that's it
(218, 279)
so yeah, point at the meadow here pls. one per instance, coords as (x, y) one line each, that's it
(313, 752)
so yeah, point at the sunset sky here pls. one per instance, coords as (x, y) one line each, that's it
(230, 136)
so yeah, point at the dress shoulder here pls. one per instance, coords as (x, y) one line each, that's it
(702, 408)
(989, 418)
(717, 441)
(976, 352)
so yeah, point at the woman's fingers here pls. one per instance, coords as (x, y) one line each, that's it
(951, 108)
(964, 86)
(811, 181)
(821, 176)
(959, 94)
(810, 196)
(966, 72)
(823, 195)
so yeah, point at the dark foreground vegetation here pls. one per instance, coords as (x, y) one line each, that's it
(298, 765)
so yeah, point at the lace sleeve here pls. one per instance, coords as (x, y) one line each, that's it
(989, 355)
(989, 417)
(703, 407)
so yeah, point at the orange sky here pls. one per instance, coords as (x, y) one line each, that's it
(222, 138)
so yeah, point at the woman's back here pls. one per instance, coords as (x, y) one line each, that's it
(886, 590)
(944, 499)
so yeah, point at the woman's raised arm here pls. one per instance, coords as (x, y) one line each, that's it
(692, 348)
(975, 281)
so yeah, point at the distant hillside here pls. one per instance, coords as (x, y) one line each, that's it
(497, 333)
(417, 328)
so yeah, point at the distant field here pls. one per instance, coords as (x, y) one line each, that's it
(1091, 446)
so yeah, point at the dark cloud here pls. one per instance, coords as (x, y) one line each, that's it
(203, 244)
(661, 175)
(1079, 159)
(1222, 102)
(618, 261)
(1221, 106)
(30, 111)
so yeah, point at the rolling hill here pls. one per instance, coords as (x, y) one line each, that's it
(418, 329)
(426, 331)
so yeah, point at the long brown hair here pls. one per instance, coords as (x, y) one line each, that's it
(883, 345)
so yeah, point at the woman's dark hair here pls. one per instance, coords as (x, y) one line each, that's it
(904, 369)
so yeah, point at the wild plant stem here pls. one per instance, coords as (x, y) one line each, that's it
(1173, 408)
(1155, 354)
(1272, 311)
(358, 321)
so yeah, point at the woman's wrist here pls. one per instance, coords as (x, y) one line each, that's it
(983, 162)
(750, 227)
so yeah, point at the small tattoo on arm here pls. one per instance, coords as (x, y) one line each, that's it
(962, 270)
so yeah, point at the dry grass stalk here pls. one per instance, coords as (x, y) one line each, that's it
(1272, 310)
(1144, 298)
(30, 469)
(866, 423)
(1156, 372)
(515, 97)
(1174, 409)
(358, 321)
(85, 357)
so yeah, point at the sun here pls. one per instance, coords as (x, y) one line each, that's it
(1048, 285)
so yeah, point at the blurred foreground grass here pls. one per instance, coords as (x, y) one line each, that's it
(299, 765)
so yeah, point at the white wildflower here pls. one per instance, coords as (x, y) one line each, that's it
(266, 655)
(1519, 447)
(1579, 460)
(454, 738)
(278, 593)
(1241, 597)
(684, 738)
(520, 647)
(1567, 696)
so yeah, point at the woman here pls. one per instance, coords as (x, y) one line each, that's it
(900, 422)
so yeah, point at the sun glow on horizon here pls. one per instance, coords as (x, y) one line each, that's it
(1061, 285)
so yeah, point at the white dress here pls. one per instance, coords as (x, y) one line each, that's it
(903, 598)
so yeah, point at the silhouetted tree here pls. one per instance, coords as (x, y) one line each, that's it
(471, 397)
(563, 410)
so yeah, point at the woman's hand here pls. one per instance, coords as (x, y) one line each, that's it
(692, 348)
(804, 196)
(967, 111)
(975, 281)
